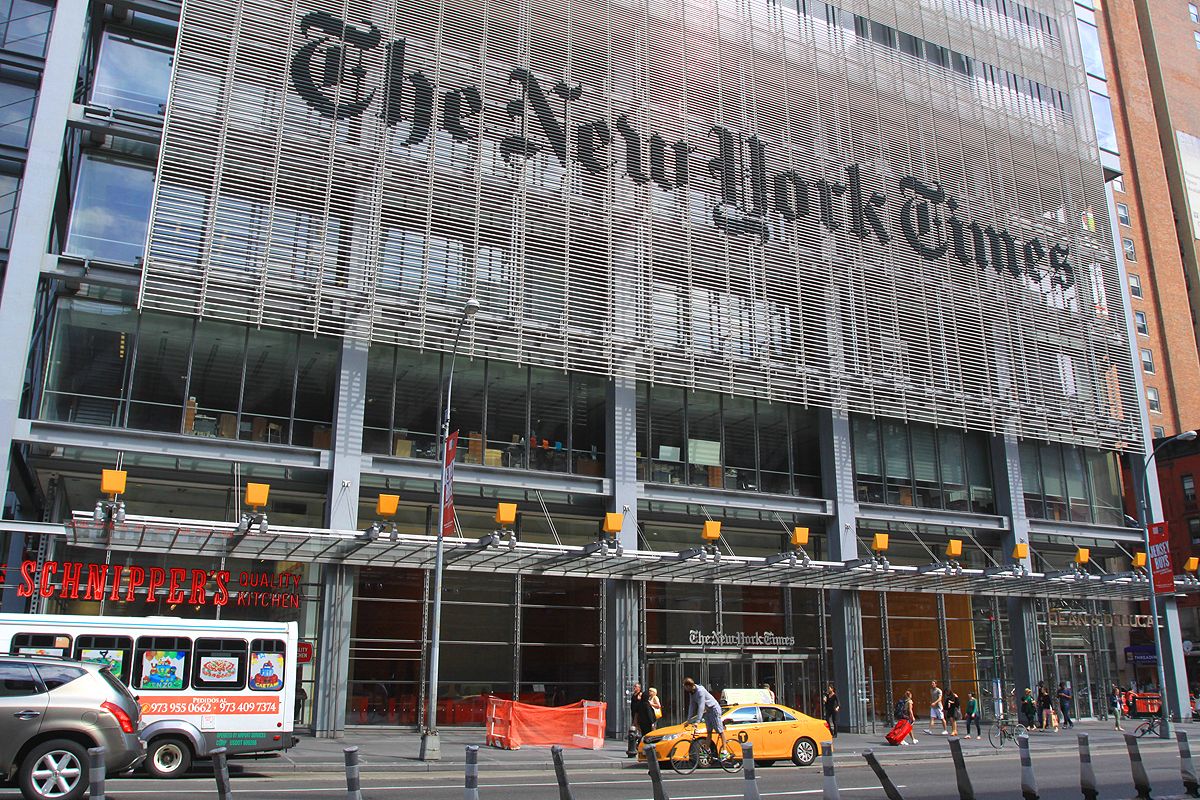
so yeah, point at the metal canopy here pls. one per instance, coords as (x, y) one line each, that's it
(499, 553)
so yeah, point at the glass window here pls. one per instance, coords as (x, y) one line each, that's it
(268, 665)
(1189, 488)
(10, 186)
(953, 469)
(1147, 360)
(1123, 214)
(160, 374)
(1196, 38)
(377, 409)
(267, 395)
(979, 472)
(1193, 12)
(418, 404)
(1118, 184)
(774, 714)
(1140, 323)
(18, 91)
(111, 210)
(747, 715)
(132, 75)
(1159, 432)
(739, 443)
(1193, 524)
(666, 434)
(1031, 480)
(24, 25)
(1135, 285)
(56, 675)
(316, 379)
(41, 644)
(1130, 252)
(88, 363)
(16, 680)
(925, 466)
(1092, 58)
(1106, 132)
(896, 468)
(1054, 481)
(1105, 482)
(1152, 401)
(589, 423)
(806, 452)
(774, 469)
(549, 394)
(161, 663)
(507, 415)
(217, 361)
(114, 652)
(1077, 492)
(704, 440)
(220, 664)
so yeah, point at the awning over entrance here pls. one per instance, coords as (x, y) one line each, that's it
(502, 554)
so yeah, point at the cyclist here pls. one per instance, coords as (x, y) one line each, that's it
(702, 705)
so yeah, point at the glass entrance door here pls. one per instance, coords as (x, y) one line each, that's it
(1073, 670)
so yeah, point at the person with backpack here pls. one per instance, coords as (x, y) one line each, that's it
(904, 710)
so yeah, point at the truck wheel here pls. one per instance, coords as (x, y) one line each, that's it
(54, 770)
(168, 757)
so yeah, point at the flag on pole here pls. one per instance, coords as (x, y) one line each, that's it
(448, 484)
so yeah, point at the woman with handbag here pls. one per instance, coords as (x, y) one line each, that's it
(953, 711)
(655, 703)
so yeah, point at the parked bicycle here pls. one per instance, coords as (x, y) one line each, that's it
(1151, 726)
(697, 750)
(1003, 730)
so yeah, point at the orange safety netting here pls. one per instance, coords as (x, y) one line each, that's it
(511, 724)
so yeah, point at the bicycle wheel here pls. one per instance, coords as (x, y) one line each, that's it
(1017, 730)
(1143, 729)
(683, 758)
(732, 760)
(997, 734)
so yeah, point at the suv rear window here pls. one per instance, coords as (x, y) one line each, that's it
(56, 675)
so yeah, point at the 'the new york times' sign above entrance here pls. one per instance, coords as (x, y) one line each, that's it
(742, 208)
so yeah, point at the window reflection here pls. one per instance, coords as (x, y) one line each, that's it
(111, 210)
(18, 91)
(89, 363)
(1072, 484)
(1106, 133)
(132, 75)
(10, 185)
(24, 25)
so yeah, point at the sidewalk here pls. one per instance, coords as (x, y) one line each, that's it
(396, 750)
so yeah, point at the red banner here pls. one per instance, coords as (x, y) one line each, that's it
(1160, 559)
(448, 484)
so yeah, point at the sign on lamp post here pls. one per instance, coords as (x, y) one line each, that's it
(1160, 559)
(448, 484)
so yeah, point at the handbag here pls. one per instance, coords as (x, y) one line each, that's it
(657, 713)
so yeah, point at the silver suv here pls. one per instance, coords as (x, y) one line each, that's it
(51, 711)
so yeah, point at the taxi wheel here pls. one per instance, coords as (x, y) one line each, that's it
(804, 752)
(764, 762)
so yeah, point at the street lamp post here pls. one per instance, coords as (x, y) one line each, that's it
(1144, 520)
(431, 749)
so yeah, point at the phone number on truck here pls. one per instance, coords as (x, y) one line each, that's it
(155, 706)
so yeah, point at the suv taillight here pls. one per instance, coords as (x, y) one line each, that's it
(122, 718)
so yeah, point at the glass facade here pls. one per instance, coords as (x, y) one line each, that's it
(132, 74)
(506, 415)
(1074, 484)
(110, 210)
(24, 26)
(112, 367)
(919, 465)
(717, 441)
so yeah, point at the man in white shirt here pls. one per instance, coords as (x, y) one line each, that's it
(935, 709)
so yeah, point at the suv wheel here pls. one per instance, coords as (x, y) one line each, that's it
(168, 757)
(54, 770)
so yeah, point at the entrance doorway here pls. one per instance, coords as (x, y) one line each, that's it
(794, 679)
(1073, 669)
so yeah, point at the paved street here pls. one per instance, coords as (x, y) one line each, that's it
(925, 772)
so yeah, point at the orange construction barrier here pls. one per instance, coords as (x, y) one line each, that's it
(511, 725)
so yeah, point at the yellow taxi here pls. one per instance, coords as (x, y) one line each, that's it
(777, 732)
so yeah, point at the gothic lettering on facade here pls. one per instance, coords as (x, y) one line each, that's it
(725, 640)
(750, 193)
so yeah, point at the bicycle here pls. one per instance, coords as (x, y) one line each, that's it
(1152, 725)
(1003, 730)
(697, 751)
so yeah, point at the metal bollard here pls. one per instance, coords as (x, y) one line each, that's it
(96, 773)
(1087, 776)
(221, 771)
(560, 771)
(1028, 781)
(1141, 781)
(751, 783)
(965, 791)
(655, 772)
(471, 784)
(829, 791)
(889, 788)
(1187, 769)
(353, 781)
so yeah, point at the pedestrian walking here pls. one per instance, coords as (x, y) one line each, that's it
(655, 703)
(1029, 709)
(1066, 699)
(1045, 709)
(767, 688)
(936, 710)
(1114, 706)
(642, 715)
(972, 715)
(910, 714)
(831, 709)
(953, 710)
